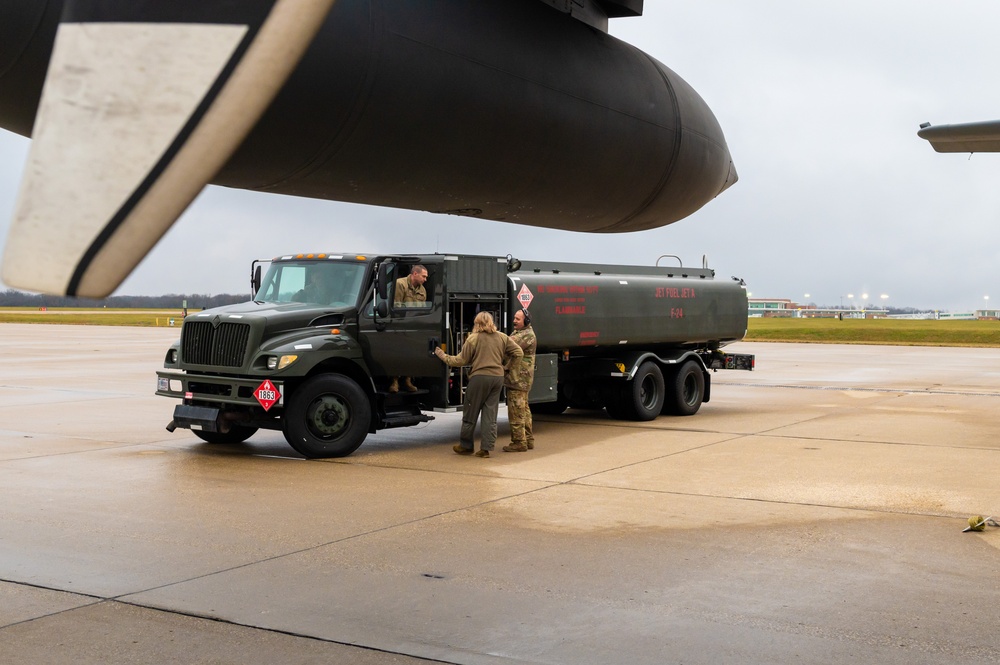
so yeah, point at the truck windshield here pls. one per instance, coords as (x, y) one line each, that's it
(329, 283)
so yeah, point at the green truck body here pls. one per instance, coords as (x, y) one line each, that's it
(316, 363)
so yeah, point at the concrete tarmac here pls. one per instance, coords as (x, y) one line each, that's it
(812, 512)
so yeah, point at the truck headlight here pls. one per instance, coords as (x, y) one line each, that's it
(171, 358)
(276, 362)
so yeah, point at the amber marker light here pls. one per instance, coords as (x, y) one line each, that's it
(361, 258)
(335, 331)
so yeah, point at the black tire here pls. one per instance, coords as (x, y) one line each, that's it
(236, 434)
(328, 416)
(642, 397)
(687, 390)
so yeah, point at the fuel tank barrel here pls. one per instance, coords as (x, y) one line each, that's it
(581, 310)
(503, 109)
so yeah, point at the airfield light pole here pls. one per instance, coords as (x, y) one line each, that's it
(986, 305)
(884, 298)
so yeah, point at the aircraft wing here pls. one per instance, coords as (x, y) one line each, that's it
(965, 137)
(142, 104)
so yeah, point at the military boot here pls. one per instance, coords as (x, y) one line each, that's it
(408, 384)
(394, 385)
(515, 448)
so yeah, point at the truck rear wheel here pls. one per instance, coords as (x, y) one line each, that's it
(236, 434)
(328, 416)
(642, 397)
(688, 390)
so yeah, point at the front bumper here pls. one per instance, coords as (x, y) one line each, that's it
(211, 390)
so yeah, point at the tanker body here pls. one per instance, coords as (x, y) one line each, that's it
(579, 310)
(637, 341)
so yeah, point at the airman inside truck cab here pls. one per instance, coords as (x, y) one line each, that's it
(410, 291)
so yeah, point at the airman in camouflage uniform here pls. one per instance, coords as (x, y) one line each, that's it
(409, 291)
(518, 383)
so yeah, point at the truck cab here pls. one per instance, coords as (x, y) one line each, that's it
(313, 353)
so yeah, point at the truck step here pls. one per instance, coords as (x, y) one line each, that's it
(404, 419)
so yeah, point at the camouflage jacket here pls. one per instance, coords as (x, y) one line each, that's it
(523, 372)
(406, 293)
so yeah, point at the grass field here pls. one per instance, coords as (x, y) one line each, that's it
(823, 331)
(902, 332)
(93, 317)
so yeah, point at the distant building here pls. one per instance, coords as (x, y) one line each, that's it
(783, 307)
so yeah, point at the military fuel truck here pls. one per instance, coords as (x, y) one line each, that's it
(314, 352)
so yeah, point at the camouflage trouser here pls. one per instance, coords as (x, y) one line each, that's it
(519, 416)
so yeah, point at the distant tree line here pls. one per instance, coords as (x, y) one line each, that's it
(14, 298)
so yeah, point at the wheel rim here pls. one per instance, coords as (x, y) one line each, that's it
(690, 392)
(647, 392)
(328, 416)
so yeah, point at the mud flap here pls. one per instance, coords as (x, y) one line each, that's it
(202, 418)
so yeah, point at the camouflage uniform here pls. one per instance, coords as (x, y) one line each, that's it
(407, 293)
(404, 295)
(518, 383)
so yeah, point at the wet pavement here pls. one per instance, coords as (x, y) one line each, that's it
(811, 512)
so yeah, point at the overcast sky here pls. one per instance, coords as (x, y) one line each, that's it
(820, 104)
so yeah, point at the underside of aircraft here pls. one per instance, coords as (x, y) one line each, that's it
(964, 137)
(522, 111)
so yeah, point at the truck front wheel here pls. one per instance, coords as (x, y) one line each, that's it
(327, 416)
(688, 390)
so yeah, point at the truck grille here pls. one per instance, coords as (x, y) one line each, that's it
(222, 346)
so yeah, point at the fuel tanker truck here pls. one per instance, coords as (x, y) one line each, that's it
(315, 350)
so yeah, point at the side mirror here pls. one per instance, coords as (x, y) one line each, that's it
(255, 282)
(384, 279)
(382, 309)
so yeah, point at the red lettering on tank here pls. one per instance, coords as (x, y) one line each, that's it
(672, 292)
(571, 309)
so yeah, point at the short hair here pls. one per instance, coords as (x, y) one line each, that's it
(483, 323)
(417, 268)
